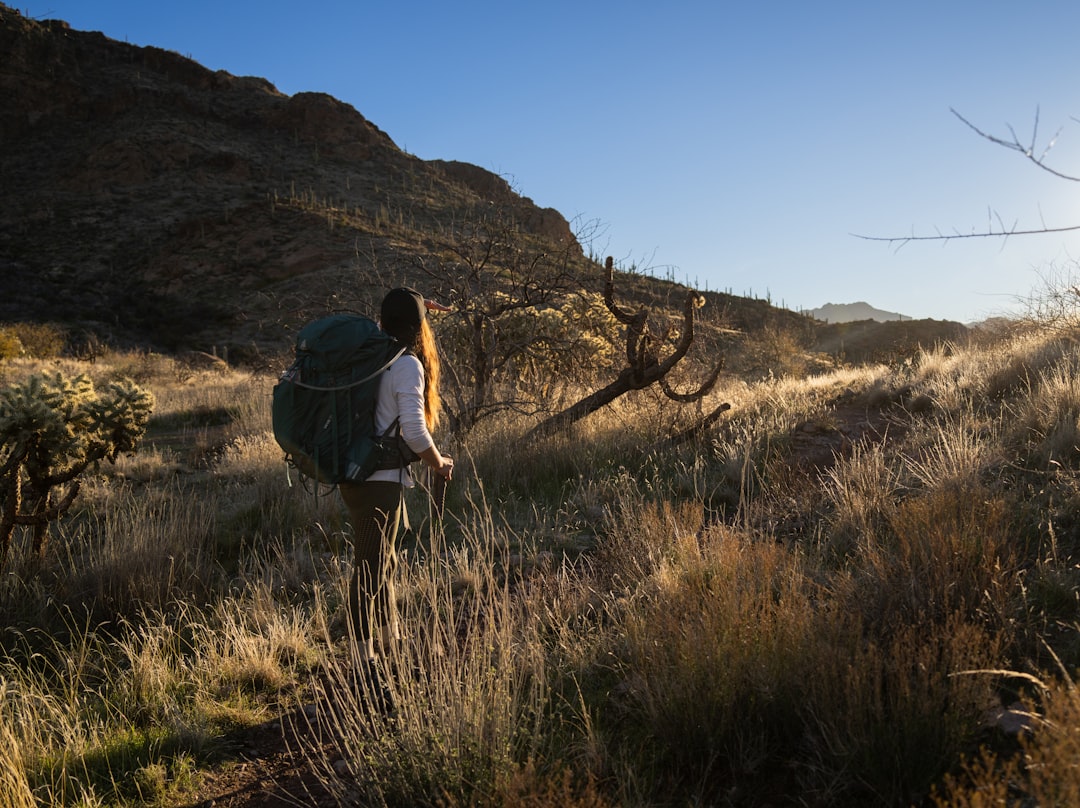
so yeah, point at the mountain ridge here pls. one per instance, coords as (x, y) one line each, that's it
(158, 204)
(148, 197)
(852, 312)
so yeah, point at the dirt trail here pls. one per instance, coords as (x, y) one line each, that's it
(269, 769)
(819, 442)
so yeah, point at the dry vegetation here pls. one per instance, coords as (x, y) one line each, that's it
(798, 611)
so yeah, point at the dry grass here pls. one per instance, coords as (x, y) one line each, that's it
(599, 621)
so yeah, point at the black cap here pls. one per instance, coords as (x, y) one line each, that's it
(402, 312)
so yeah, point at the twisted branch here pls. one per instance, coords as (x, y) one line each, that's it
(644, 367)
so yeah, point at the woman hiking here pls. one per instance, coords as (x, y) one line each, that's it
(408, 395)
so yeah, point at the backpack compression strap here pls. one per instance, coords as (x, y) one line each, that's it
(393, 359)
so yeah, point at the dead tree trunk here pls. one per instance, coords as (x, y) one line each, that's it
(644, 366)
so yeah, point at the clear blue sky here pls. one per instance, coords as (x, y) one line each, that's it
(739, 145)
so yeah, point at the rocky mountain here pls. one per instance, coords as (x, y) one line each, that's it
(160, 203)
(155, 203)
(852, 312)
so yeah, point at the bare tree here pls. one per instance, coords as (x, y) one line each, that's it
(644, 364)
(490, 270)
(997, 228)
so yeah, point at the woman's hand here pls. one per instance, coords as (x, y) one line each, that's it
(439, 463)
(445, 468)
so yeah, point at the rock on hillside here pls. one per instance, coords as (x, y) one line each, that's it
(164, 204)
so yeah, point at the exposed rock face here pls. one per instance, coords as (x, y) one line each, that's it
(169, 205)
(543, 221)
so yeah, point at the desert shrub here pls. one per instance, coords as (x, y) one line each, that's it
(39, 340)
(884, 717)
(468, 687)
(773, 350)
(141, 551)
(741, 675)
(861, 491)
(51, 430)
(713, 664)
(119, 717)
(1046, 426)
(534, 355)
(146, 368)
(959, 451)
(10, 344)
(15, 790)
(1045, 771)
(947, 551)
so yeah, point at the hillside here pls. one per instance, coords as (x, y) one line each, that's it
(873, 341)
(159, 204)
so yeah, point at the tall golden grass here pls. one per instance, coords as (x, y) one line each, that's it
(599, 620)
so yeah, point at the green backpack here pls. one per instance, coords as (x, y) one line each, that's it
(324, 404)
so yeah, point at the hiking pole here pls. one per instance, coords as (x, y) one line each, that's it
(438, 493)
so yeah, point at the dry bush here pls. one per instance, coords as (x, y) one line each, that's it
(467, 683)
(956, 452)
(96, 718)
(531, 786)
(1055, 303)
(142, 550)
(38, 340)
(15, 790)
(944, 552)
(739, 659)
(1044, 772)
(1047, 417)
(982, 375)
(712, 661)
(10, 345)
(861, 491)
(886, 716)
(773, 351)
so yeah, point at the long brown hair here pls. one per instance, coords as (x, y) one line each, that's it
(428, 353)
(403, 316)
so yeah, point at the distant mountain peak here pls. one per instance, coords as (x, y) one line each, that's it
(853, 312)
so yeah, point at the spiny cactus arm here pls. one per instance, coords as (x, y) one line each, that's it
(697, 395)
(638, 356)
(44, 482)
(14, 456)
(693, 300)
(609, 297)
(637, 340)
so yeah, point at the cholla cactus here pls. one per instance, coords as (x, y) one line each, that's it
(51, 430)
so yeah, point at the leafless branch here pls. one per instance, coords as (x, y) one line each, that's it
(999, 230)
(1015, 145)
(1003, 233)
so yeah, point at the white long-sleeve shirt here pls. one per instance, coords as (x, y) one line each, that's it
(401, 396)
